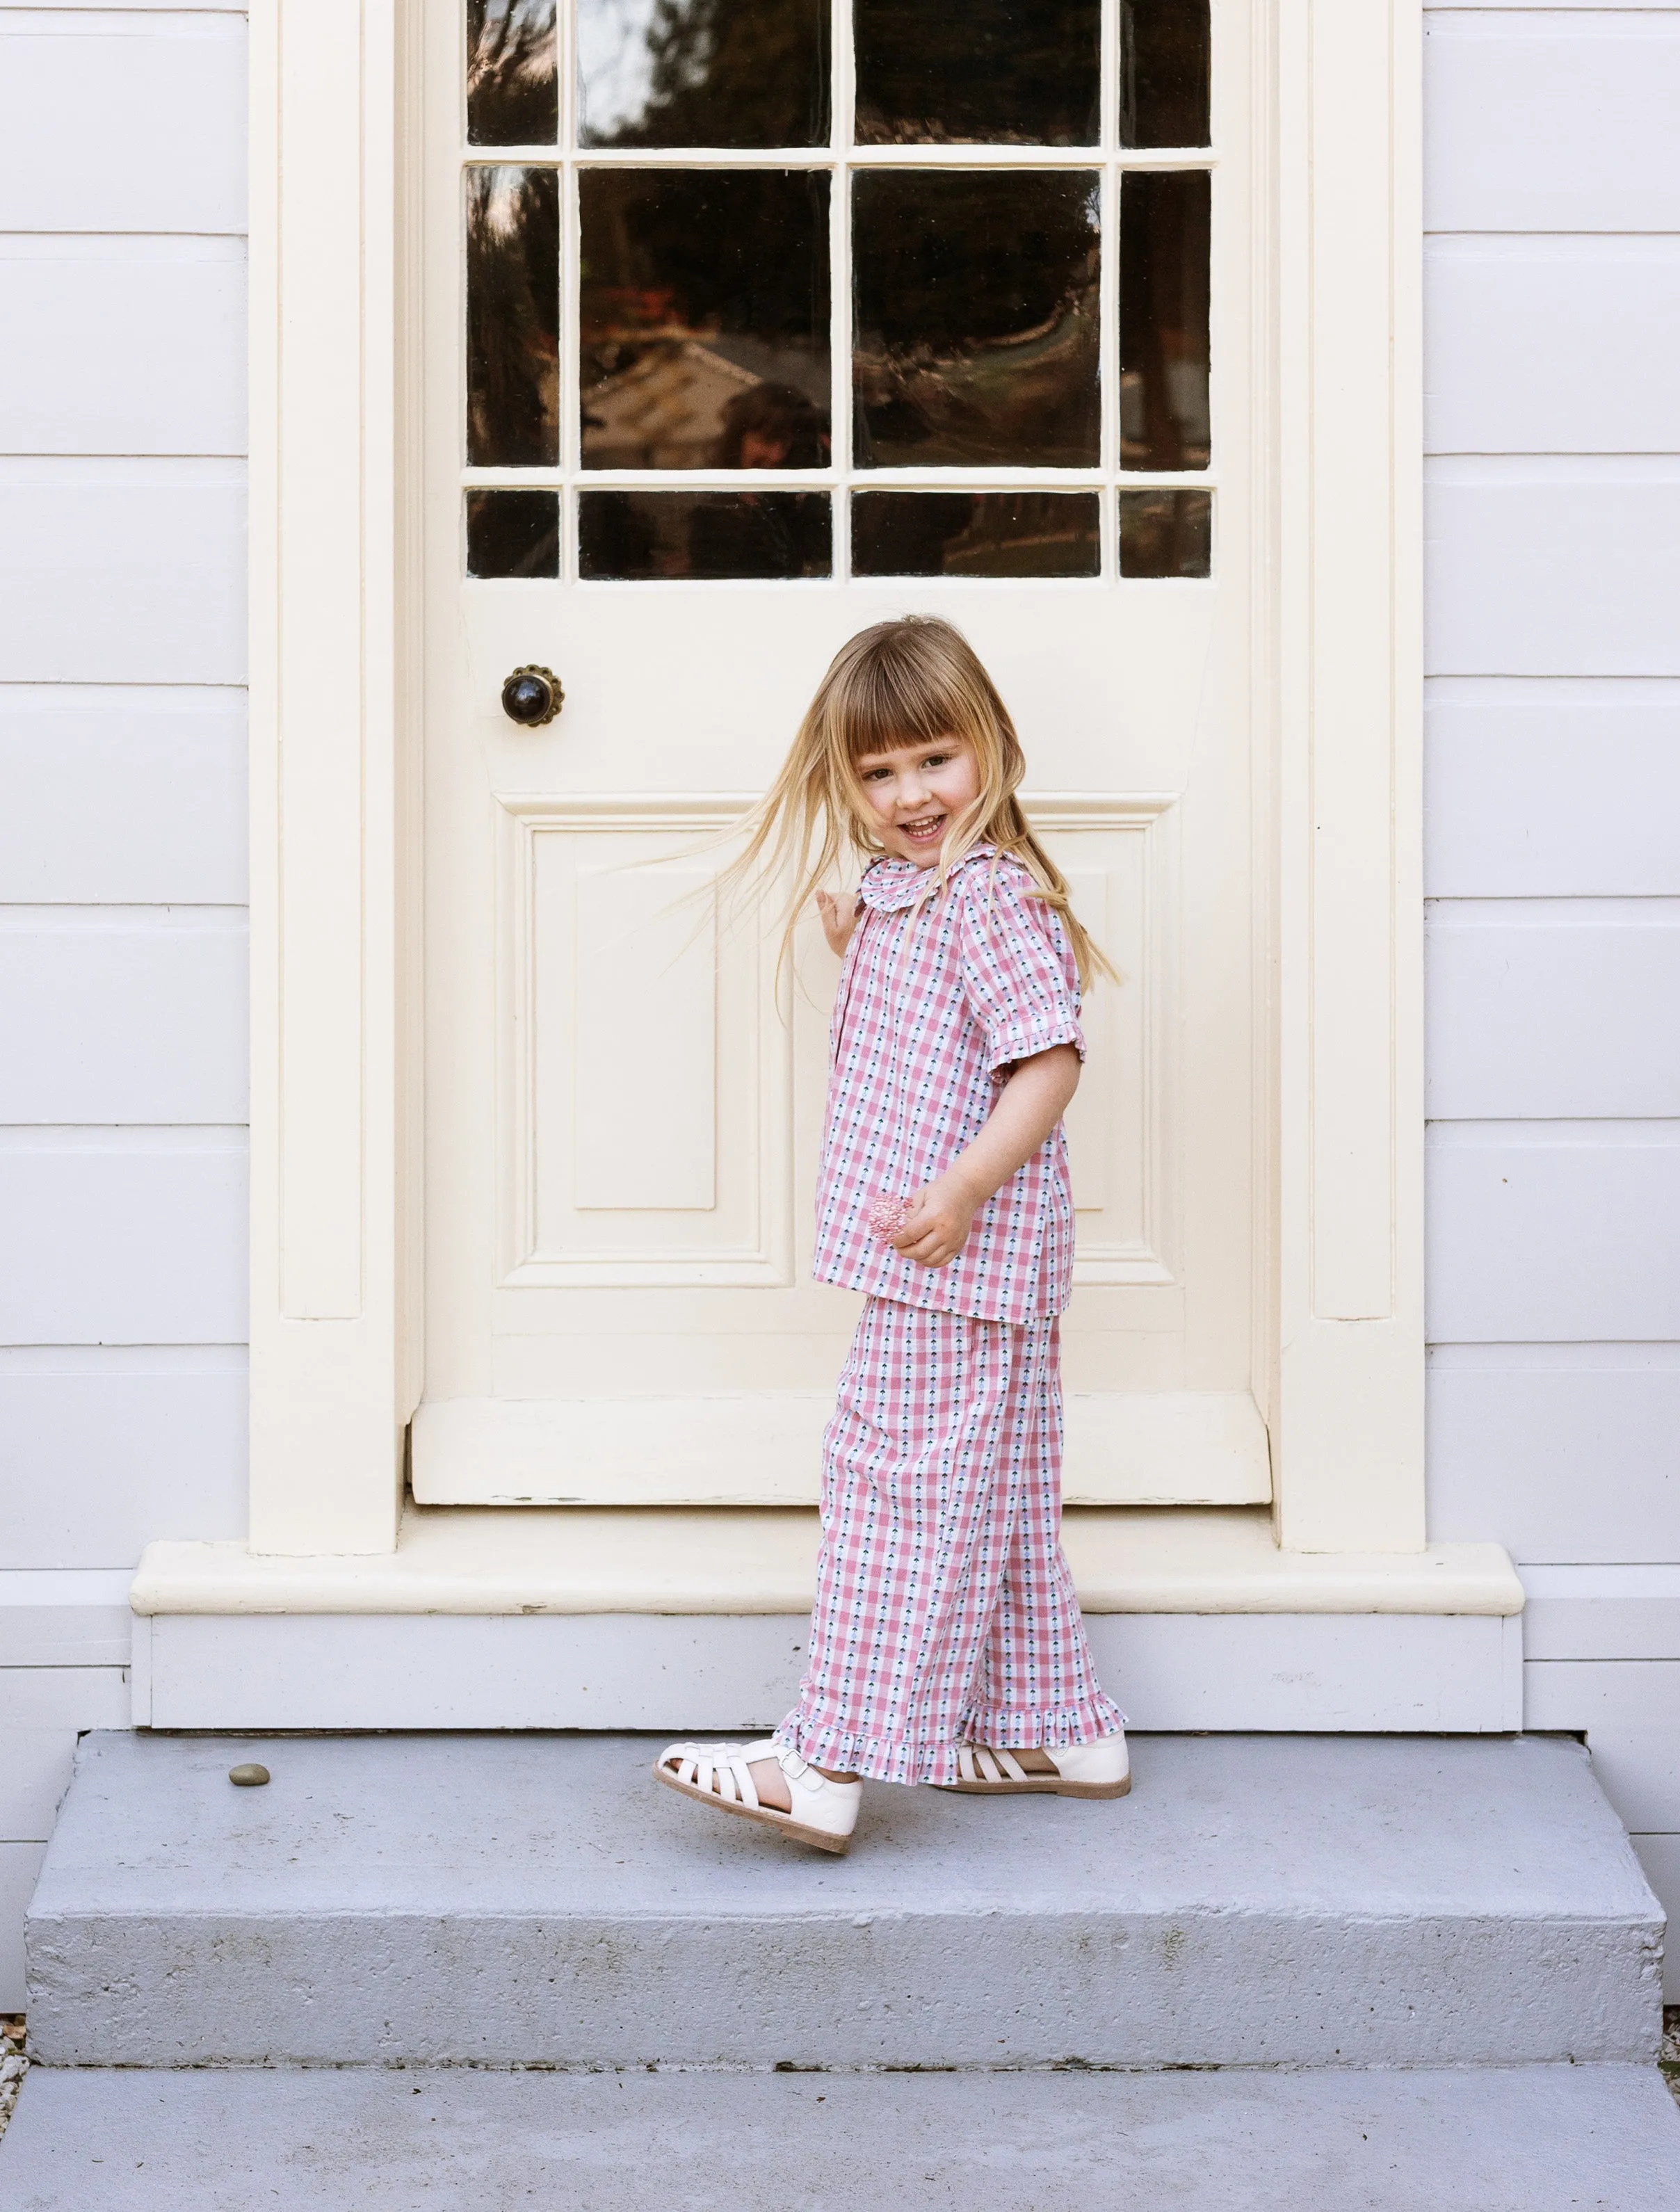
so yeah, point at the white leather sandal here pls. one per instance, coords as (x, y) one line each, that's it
(721, 1774)
(1102, 1769)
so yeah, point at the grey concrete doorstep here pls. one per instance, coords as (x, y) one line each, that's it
(1533, 2139)
(521, 1900)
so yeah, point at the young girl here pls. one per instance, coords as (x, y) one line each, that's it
(945, 1643)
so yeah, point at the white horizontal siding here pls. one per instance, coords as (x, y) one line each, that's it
(1551, 121)
(170, 311)
(128, 1236)
(122, 594)
(134, 796)
(122, 122)
(1554, 567)
(1629, 1710)
(64, 1696)
(1597, 1612)
(1514, 7)
(1544, 345)
(1558, 1452)
(80, 1619)
(123, 1014)
(1553, 1232)
(155, 7)
(106, 1449)
(122, 571)
(36, 1764)
(1553, 836)
(1560, 1008)
(1551, 790)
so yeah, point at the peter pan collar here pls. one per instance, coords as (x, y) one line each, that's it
(890, 885)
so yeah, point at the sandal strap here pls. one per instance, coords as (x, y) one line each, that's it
(719, 1768)
(801, 1773)
(980, 1763)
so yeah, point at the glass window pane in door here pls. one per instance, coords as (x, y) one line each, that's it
(512, 84)
(1164, 54)
(1164, 276)
(976, 318)
(704, 319)
(513, 533)
(513, 298)
(702, 72)
(976, 533)
(1166, 533)
(646, 537)
(998, 72)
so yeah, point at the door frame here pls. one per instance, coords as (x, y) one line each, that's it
(337, 1357)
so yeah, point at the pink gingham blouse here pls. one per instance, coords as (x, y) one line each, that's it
(938, 999)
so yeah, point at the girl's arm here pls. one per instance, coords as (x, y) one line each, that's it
(1028, 1107)
(839, 919)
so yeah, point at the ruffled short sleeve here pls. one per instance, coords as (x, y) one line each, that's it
(1020, 976)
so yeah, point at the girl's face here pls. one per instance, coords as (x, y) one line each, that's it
(916, 792)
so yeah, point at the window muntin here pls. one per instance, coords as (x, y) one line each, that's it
(841, 295)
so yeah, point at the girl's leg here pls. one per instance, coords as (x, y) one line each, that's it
(1035, 1685)
(918, 1500)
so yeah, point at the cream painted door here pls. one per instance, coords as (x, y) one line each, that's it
(927, 327)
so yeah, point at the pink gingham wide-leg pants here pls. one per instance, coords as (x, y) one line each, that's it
(945, 1612)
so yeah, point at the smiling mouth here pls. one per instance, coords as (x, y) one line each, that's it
(926, 828)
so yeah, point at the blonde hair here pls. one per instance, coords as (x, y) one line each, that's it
(910, 681)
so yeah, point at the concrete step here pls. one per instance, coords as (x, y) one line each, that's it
(1525, 2139)
(1317, 1901)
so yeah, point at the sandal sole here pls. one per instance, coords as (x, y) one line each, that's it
(1046, 1788)
(765, 1815)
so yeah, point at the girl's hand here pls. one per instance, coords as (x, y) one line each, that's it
(839, 921)
(937, 1224)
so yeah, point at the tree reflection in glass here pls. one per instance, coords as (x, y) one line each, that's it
(1006, 73)
(513, 286)
(1164, 278)
(702, 72)
(700, 287)
(976, 318)
(511, 83)
(1164, 53)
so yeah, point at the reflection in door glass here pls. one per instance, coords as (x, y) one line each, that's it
(1166, 533)
(513, 293)
(976, 533)
(513, 533)
(1164, 72)
(702, 72)
(701, 287)
(512, 84)
(644, 537)
(1164, 243)
(975, 311)
(1003, 73)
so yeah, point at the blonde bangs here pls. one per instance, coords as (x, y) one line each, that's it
(888, 697)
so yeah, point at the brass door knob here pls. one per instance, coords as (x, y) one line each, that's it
(532, 696)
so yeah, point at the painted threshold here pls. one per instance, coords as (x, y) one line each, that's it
(582, 1559)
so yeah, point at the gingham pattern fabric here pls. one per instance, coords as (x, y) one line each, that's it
(945, 1610)
(938, 998)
